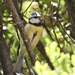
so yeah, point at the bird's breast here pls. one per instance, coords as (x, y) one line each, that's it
(33, 28)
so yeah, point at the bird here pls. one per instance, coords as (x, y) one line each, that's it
(34, 30)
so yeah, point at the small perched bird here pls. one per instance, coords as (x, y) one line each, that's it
(34, 30)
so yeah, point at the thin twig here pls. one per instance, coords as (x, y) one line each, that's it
(28, 6)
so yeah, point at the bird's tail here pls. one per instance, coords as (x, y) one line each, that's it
(18, 64)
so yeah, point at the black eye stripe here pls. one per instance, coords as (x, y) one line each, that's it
(34, 17)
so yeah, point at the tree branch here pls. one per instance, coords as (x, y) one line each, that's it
(71, 12)
(20, 26)
(42, 51)
(4, 54)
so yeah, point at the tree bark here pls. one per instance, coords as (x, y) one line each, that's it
(71, 12)
(42, 51)
(4, 53)
(20, 25)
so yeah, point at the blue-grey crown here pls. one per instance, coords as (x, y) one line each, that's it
(34, 14)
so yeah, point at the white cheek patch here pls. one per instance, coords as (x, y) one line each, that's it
(33, 20)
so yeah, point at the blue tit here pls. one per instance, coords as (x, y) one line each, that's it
(34, 30)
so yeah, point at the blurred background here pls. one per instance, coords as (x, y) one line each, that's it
(58, 39)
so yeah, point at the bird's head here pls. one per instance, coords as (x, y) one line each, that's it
(35, 18)
(35, 14)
